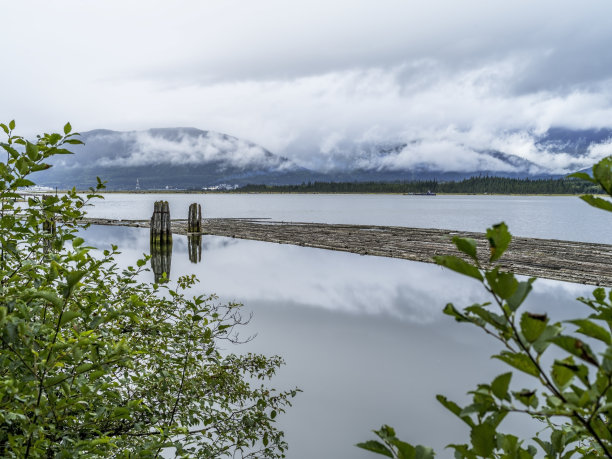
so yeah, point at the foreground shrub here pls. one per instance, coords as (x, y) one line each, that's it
(94, 362)
(571, 397)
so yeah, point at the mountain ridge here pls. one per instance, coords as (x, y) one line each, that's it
(192, 158)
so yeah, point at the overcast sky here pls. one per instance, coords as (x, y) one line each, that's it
(307, 78)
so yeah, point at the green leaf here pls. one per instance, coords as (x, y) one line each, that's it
(405, 450)
(12, 125)
(455, 409)
(67, 316)
(458, 265)
(53, 380)
(97, 320)
(423, 452)
(375, 447)
(532, 325)
(519, 361)
(502, 284)
(500, 385)
(496, 417)
(563, 371)
(32, 151)
(40, 167)
(467, 246)
(496, 320)
(602, 429)
(63, 151)
(4, 172)
(527, 398)
(67, 128)
(542, 343)
(582, 176)
(600, 203)
(602, 172)
(77, 241)
(11, 151)
(50, 296)
(576, 347)
(600, 294)
(589, 328)
(22, 165)
(4, 128)
(73, 277)
(499, 239)
(522, 290)
(74, 141)
(23, 182)
(53, 139)
(483, 439)
(452, 311)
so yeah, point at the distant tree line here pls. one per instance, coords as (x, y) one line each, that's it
(476, 185)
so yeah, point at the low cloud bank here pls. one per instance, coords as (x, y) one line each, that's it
(180, 147)
(419, 114)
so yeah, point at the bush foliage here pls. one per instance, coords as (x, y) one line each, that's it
(571, 395)
(94, 362)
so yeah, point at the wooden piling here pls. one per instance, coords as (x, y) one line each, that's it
(48, 224)
(161, 231)
(194, 218)
(49, 228)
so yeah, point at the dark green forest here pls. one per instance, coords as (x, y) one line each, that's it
(476, 185)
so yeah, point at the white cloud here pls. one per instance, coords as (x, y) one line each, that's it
(308, 79)
(146, 147)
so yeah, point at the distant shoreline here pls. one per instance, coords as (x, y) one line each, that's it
(317, 193)
(481, 186)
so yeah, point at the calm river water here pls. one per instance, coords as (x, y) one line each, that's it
(554, 217)
(364, 337)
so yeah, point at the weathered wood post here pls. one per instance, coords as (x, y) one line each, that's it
(161, 230)
(48, 227)
(161, 241)
(194, 218)
(194, 246)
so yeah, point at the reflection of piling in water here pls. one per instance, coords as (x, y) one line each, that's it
(161, 232)
(194, 219)
(161, 240)
(161, 258)
(194, 245)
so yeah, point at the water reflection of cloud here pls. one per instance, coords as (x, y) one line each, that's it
(246, 271)
(250, 270)
(333, 280)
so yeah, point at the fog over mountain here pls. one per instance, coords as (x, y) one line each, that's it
(555, 152)
(341, 88)
(189, 158)
(171, 157)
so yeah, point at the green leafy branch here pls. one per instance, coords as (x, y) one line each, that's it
(577, 388)
(96, 363)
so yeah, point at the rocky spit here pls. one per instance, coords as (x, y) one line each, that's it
(579, 262)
